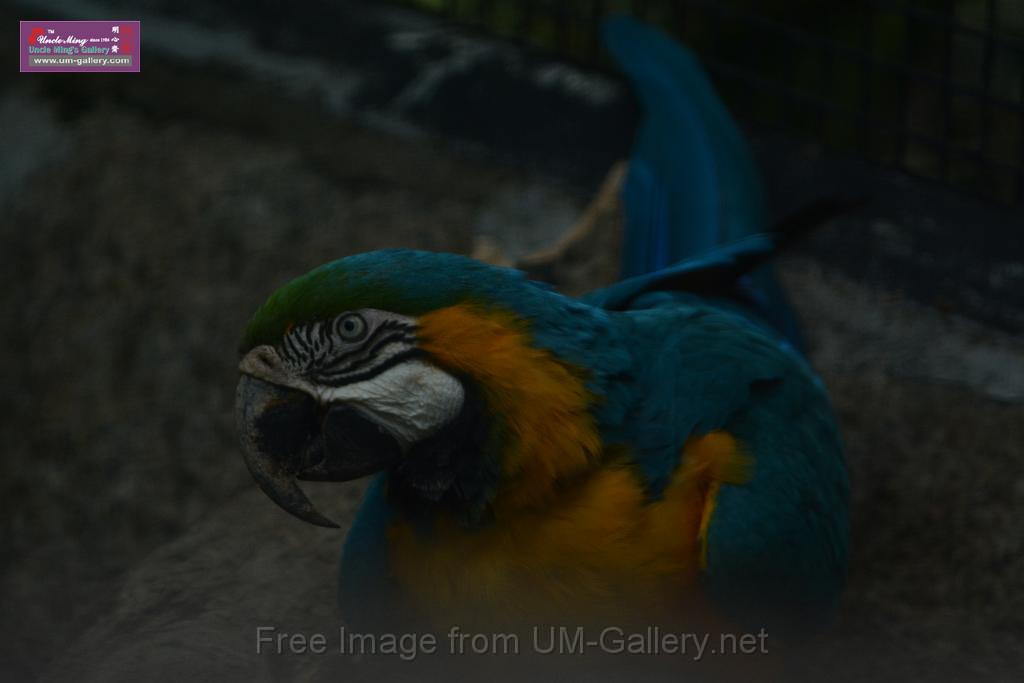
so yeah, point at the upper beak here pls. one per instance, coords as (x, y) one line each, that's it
(286, 435)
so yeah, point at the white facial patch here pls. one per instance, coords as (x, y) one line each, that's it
(411, 400)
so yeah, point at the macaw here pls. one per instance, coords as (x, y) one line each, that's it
(657, 450)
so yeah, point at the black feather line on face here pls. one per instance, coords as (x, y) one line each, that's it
(365, 348)
(291, 350)
(388, 363)
(310, 348)
(397, 337)
(306, 339)
(361, 365)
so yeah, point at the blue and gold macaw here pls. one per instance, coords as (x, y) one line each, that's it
(657, 450)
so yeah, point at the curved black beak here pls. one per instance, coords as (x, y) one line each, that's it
(286, 435)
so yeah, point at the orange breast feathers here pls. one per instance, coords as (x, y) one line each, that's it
(574, 534)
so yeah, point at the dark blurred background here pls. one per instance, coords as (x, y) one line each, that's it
(146, 216)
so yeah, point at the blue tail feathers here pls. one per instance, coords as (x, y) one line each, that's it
(692, 185)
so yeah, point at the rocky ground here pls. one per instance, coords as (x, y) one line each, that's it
(138, 237)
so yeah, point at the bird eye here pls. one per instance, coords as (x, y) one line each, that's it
(351, 327)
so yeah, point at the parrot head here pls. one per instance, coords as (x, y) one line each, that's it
(445, 372)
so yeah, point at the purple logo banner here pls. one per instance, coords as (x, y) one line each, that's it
(79, 46)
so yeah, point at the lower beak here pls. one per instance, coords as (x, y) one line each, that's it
(286, 435)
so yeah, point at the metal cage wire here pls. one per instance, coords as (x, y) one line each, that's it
(935, 88)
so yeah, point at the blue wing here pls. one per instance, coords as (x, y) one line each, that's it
(696, 242)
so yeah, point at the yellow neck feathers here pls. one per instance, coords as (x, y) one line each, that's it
(541, 402)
